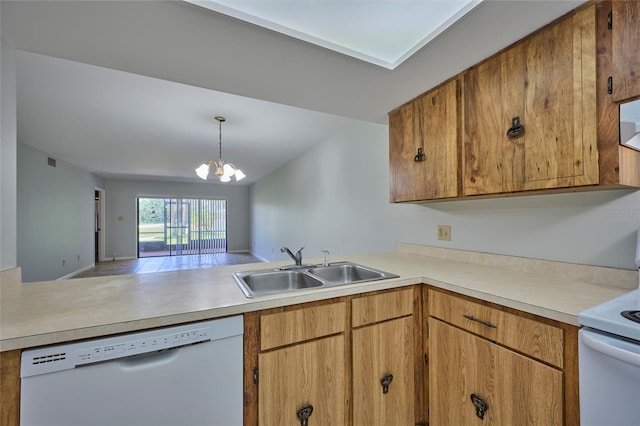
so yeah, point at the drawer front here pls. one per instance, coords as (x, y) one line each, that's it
(285, 328)
(530, 337)
(381, 307)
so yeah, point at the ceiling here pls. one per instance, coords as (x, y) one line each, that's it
(129, 89)
(402, 27)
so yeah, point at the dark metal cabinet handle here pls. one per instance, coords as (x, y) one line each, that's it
(480, 405)
(516, 130)
(483, 322)
(419, 156)
(385, 382)
(304, 413)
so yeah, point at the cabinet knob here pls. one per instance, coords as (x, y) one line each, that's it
(419, 156)
(516, 130)
(385, 382)
(480, 405)
(304, 413)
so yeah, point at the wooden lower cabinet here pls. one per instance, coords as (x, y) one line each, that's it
(10, 388)
(440, 347)
(382, 352)
(304, 375)
(334, 356)
(516, 389)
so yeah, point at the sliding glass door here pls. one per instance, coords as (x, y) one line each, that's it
(179, 226)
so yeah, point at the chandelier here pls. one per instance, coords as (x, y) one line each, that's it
(223, 170)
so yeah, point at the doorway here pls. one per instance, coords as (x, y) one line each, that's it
(99, 202)
(181, 226)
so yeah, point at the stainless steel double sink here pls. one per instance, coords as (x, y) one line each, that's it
(284, 280)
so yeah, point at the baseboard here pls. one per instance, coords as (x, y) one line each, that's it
(74, 273)
(113, 259)
(258, 256)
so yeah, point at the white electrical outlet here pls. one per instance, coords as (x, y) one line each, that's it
(444, 232)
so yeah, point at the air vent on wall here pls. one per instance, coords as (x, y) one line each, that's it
(51, 161)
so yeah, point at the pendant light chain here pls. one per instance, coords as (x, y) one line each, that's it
(220, 120)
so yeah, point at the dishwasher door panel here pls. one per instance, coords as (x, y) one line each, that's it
(199, 384)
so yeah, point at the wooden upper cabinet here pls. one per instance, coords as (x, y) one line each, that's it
(430, 124)
(626, 47)
(493, 96)
(546, 83)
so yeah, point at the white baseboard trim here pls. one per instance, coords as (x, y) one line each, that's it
(113, 259)
(259, 257)
(74, 273)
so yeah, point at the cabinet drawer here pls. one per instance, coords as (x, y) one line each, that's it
(381, 307)
(530, 337)
(284, 328)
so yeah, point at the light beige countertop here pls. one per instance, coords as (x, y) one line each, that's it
(48, 312)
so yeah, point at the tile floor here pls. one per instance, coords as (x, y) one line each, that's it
(167, 263)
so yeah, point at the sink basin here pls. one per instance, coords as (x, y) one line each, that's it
(274, 281)
(287, 279)
(348, 273)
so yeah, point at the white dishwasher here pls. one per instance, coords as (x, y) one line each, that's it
(187, 375)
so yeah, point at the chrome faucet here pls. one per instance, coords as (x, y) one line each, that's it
(326, 257)
(297, 257)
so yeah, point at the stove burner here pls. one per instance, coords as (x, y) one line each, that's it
(631, 315)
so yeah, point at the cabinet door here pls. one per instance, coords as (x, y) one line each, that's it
(626, 45)
(311, 373)
(560, 143)
(379, 350)
(547, 82)
(493, 96)
(516, 389)
(430, 124)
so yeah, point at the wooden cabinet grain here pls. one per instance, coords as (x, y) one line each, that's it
(303, 375)
(523, 368)
(383, 356)
(302, 363)
(554, 83)
(619, 165)
(545, 83)
(429, 124)
(517, 390)
(333, 356)
(625, 27)
(10, 388)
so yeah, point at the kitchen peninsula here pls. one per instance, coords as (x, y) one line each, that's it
(44, 313)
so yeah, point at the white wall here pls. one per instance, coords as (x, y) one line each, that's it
(336, 197)
(8, 186)
(121, 195)
(56, 216)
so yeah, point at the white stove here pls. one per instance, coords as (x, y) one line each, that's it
(619, 316)
(609, 360)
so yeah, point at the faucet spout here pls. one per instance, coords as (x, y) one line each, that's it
(296, 257)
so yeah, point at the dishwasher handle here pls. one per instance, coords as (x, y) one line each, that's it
(600, 344)
(149, 359)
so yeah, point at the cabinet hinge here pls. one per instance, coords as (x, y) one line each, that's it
(610, 19)
(255, 376)
(610, 85)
